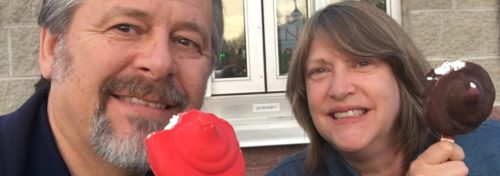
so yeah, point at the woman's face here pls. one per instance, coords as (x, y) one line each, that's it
(353, 101)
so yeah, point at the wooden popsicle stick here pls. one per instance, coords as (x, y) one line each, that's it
(445, 137)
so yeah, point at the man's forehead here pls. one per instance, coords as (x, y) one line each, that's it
(186, 14)
(154, 8)
(202, 5)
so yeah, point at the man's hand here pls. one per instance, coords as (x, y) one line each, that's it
(442, 158)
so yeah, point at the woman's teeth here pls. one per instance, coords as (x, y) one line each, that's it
(351, 113)
(141, 102)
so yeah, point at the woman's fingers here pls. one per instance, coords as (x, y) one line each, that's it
(442, 158)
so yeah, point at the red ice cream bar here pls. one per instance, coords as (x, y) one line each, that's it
(195, 143)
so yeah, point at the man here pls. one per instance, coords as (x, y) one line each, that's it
(118, 70)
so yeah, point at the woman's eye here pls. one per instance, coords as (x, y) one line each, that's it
(319, 70)
(363, 63)
(316, 71)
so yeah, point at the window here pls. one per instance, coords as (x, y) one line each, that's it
(247, 85)
(240, 68)
(281, 35)
(259, 40)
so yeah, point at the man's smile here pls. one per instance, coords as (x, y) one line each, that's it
(145, 106)
(142, 102)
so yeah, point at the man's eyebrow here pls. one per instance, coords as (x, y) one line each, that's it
(194, 27)
(123, 11)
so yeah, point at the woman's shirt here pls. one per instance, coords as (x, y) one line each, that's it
(481, 148)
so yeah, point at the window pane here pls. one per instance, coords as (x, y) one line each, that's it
(233, 58)
(290, 15)
(381, 4)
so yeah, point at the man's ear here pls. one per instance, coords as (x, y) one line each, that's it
(46, 52)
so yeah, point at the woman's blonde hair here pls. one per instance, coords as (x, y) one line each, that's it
(358, 29)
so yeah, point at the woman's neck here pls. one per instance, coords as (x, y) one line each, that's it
(382, 161)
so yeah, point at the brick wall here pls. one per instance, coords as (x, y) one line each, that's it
(18, 52)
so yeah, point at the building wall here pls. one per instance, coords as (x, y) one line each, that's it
(457, 29)
(442, 29)
(18, 52)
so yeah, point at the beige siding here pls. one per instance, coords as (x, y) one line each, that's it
(457, 29)
(442, 29)
(18, 52)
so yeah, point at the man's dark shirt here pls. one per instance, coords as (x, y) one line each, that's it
(43, 156)
(27, 146)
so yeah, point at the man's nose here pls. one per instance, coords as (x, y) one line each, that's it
(156, 60)
(341, 85)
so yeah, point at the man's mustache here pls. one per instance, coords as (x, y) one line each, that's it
(163, 90)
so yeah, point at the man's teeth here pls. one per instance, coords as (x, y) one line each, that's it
(141, 102)
(351, 113)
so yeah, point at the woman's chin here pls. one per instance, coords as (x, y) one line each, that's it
(350, 147)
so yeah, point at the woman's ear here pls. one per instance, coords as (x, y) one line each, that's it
(46, 52)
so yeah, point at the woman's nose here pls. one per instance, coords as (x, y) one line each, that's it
(341, 85)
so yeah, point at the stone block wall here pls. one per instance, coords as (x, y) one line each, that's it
(442, 29)
(457, 29)
(18, 52)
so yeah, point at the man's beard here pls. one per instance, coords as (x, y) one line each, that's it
(127, 152)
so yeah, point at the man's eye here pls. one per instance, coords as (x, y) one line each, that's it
(187, 46)
(186, 42)
(126, 28)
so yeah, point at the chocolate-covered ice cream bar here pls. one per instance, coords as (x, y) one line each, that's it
(459, 97)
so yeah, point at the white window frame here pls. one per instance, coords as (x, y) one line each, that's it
(275, 82)
(394, 10)
(254, 82)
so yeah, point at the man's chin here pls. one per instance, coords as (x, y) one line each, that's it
(124, 150)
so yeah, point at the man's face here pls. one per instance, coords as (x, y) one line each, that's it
(129, 66)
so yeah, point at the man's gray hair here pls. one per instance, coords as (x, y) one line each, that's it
(55, 15)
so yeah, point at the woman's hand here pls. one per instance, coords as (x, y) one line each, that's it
(442, 158)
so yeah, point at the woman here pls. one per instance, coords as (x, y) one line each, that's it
(355, 85)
